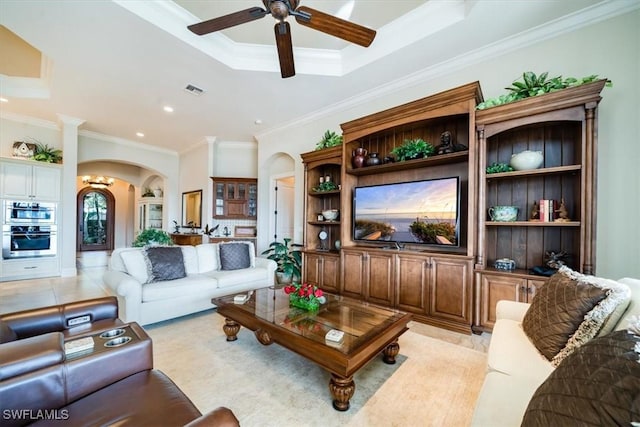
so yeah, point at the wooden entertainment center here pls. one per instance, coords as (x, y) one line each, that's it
(457, 287)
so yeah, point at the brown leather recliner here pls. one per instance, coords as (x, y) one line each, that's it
(42, 385)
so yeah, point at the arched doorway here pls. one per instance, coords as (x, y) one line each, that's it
(95, 219)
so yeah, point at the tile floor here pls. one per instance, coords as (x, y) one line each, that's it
(25, 294)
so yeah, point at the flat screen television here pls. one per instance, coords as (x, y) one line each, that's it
(418, 212)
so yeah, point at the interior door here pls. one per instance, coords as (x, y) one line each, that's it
(95, 220)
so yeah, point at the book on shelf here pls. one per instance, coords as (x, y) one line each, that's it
(548, 210)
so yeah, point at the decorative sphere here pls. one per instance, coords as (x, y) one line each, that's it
(527, 160)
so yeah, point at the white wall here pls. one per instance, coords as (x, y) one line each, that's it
(610, 49)
(29, 130)
(194, 175)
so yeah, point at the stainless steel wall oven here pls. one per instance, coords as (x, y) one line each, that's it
(28, 241)
(29, 229)
(22, 212)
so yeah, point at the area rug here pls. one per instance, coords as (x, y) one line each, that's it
(433, 383)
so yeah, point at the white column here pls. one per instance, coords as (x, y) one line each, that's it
(67, 206)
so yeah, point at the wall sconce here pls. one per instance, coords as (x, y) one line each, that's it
(98, 181)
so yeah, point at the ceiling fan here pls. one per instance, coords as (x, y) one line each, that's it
(280, 10)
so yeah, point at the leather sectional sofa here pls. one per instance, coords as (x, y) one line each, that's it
(104, 385)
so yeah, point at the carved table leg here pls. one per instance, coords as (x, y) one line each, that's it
(263, 337)
(231, 329)
(342, 390)
(390, 352)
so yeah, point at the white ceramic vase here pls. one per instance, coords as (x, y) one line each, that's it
(526, 160)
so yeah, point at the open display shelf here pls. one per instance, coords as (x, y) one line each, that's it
(562, 125)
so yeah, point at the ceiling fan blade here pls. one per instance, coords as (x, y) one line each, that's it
(336, 27)
(285, 49)
(226, 21)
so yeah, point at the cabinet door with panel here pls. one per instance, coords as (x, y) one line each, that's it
(353, 273)
(412, 278)
(380, 280)
(322, 270)
(368, 275)
(26, 181)
(235, 198)
(450, 290)
(149, 213)
(496, 287)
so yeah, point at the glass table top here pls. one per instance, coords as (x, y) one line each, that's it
(357, 319)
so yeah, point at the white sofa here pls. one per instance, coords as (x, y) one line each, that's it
(515, 368)
(147, 303)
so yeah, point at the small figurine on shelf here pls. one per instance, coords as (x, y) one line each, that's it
(563, 214)
(535, 212)
(447, 145)
(553, 261)
(176, 227)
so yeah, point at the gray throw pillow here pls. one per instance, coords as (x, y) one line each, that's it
(596, 385)
(234, 256)
(164, 263)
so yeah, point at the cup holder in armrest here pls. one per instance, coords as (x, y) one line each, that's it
(112, 333)
(117, 342)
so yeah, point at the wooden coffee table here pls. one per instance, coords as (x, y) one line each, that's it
(368, 331)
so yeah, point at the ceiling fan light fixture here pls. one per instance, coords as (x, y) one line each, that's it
(279, 10)
(306, 16)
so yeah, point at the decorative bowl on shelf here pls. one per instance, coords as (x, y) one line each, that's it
(330, 214)
(526, 160)
(503, 213)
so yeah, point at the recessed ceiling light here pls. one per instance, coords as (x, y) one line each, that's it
(258, 121)
(168, 109)
(4, 99)
(140, 134)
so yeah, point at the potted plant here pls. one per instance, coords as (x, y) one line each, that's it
(152, 236)
(44, 153)
(532, 85)
(329, 139)
(289, 260)
(410, 149)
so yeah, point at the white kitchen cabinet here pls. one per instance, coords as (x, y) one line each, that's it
(24, 180)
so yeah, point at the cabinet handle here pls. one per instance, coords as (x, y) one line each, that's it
(31, 267)
(523, 289)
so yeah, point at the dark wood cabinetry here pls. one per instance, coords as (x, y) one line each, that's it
(323, 270)
(369, 275)
(235, 198)
(321, 257)
(562, 125)
(186, 239)
(506, 286)
(435, 284)
(457, 287)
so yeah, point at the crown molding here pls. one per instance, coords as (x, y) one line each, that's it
(421, 22)
(32, 121)
(125, 142)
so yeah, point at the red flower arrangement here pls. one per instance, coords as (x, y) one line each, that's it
(305, 295)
